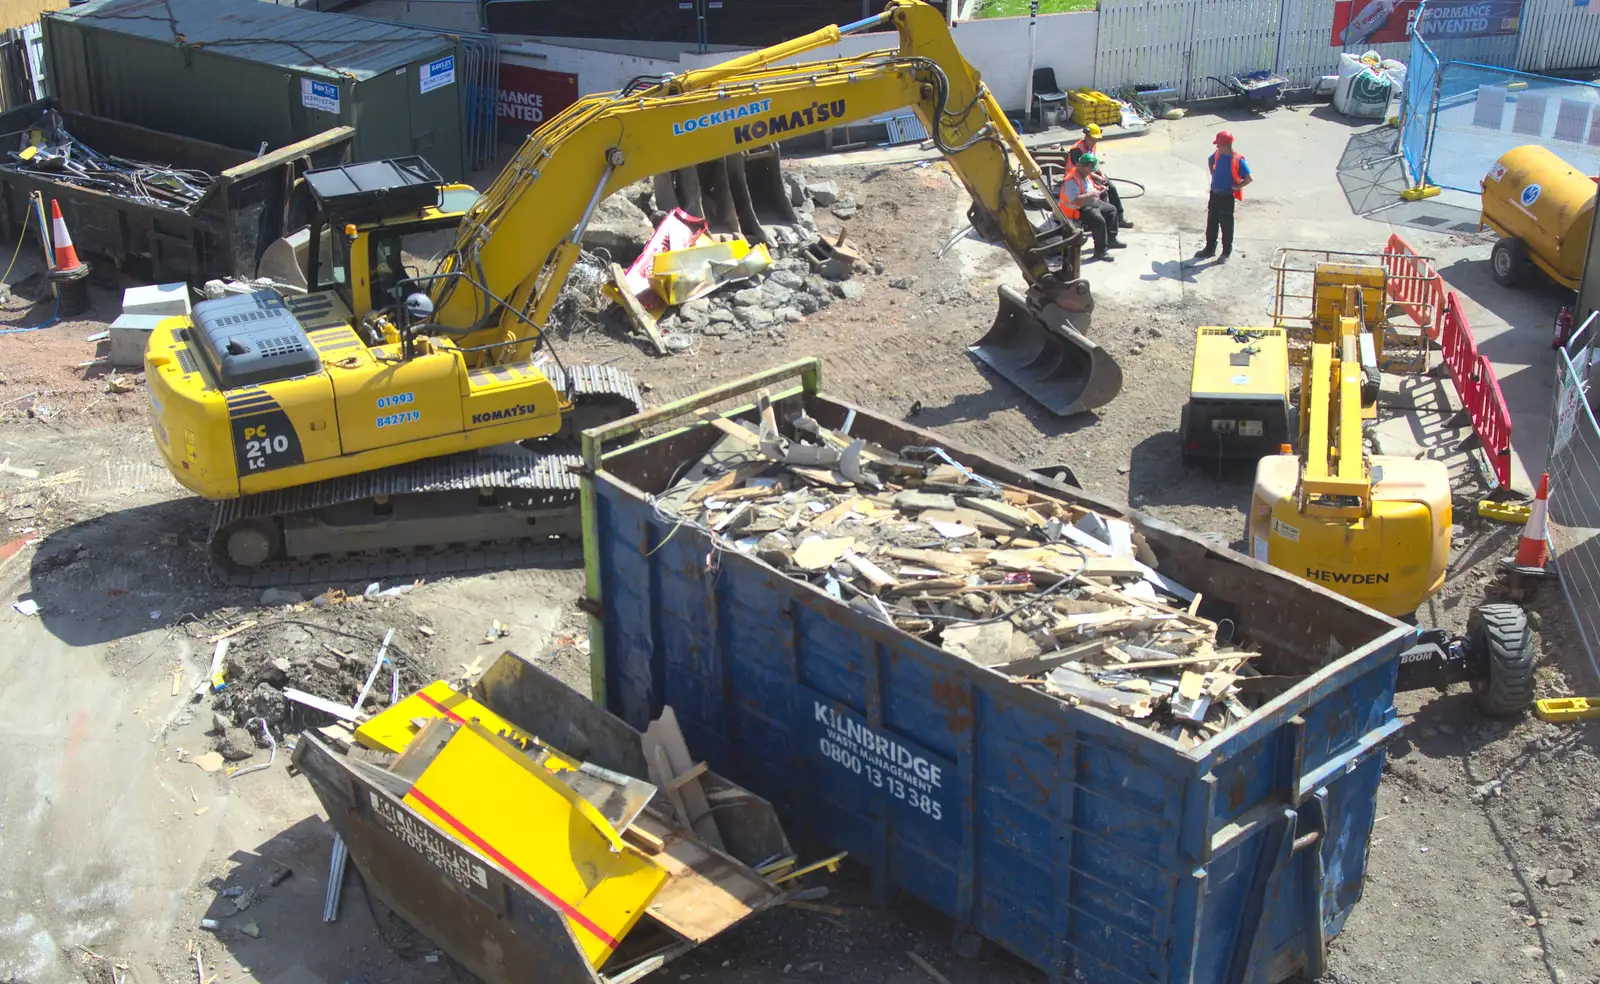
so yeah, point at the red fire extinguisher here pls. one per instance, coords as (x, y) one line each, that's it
(1564, 319)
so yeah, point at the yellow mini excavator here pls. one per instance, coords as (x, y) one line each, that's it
(391, 423)
(1373, 528)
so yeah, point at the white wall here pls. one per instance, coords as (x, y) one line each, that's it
(997, 48)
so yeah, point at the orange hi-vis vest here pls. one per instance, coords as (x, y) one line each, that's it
(1081, 145)
(1078, 186)
(1238, 193)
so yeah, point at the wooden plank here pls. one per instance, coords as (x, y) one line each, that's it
(661, 775)
(769, 419)
(705, 892)
(753, 492)
(1155, 664)
(837, 512)
(666, 733)
(643, 839)
(716, 485)
(734, 430)
(951, 563)
(880, 579)
(695, 771)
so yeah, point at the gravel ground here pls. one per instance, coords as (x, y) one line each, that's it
(1467, 881)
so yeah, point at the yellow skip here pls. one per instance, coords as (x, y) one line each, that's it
(1563, 710)
(1506, 512)
(393, 730)
(486, 794)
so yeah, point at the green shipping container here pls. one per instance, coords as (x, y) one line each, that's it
(242, 73)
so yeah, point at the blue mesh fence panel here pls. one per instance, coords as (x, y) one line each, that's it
(1417, 105)
(1485, 111)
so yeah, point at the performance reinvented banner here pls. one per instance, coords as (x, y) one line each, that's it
(1369, 22)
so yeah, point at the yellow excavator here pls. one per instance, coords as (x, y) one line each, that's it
(433, 434)
(1372, 528)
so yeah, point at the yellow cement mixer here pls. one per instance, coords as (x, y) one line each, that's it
(1542, 209)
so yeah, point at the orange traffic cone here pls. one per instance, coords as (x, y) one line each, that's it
(1533, 550)
(66, 253)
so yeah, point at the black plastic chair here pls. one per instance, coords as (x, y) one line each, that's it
(1046, 93)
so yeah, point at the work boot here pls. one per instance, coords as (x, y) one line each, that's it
(1206, 253)
(1124, 224)
(1224, 257)
(1101, 257)
(1116, 244)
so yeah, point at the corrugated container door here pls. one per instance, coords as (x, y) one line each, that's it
(382, 117)
(434, 92)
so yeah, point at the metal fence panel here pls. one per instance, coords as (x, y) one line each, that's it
(1558, 35)
(1416, 112)
(1484, 111)
(1574, 467)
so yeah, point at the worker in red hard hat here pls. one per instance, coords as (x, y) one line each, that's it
(1229, 175)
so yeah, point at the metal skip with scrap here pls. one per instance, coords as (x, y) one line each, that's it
(1051, 594)
(49, 151)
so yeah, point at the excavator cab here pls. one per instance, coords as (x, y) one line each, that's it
(369, 226)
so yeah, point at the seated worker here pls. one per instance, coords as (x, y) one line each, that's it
(1087, 144)
(1081, 199)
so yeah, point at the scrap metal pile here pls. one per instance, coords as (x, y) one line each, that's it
(1047, 592)
(47, 150)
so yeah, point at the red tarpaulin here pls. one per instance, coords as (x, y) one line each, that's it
(529, 96)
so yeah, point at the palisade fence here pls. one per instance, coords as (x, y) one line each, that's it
(21, 66)
(1184, 44)
(1574, 467)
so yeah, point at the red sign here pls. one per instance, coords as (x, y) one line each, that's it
(1360, 23)
(529, 96)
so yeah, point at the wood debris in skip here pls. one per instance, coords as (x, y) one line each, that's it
(1047, 592)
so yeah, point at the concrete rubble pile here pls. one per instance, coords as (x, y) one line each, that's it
(742, 287)
(1051, 594)
(279, 677)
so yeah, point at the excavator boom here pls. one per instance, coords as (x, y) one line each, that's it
(519, 241)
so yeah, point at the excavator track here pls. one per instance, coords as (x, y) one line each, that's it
(496, 508)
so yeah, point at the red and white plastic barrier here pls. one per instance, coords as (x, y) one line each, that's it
(1414, 285)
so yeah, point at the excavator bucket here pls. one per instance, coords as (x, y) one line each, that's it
(742, 193)
(1041, 353)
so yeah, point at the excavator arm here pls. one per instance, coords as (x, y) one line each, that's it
(519, 241)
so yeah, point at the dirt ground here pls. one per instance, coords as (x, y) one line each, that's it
(1484, 857)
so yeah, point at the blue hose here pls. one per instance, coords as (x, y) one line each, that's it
(54, 319)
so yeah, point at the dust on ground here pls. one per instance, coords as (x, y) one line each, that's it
(1483, 857)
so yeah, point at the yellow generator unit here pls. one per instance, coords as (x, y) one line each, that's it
(1238, 405)
(1542, 208)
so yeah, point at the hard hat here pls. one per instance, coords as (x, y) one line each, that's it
(1224, 136)
(1093, 130)
(1089, 161)
(419, 307)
